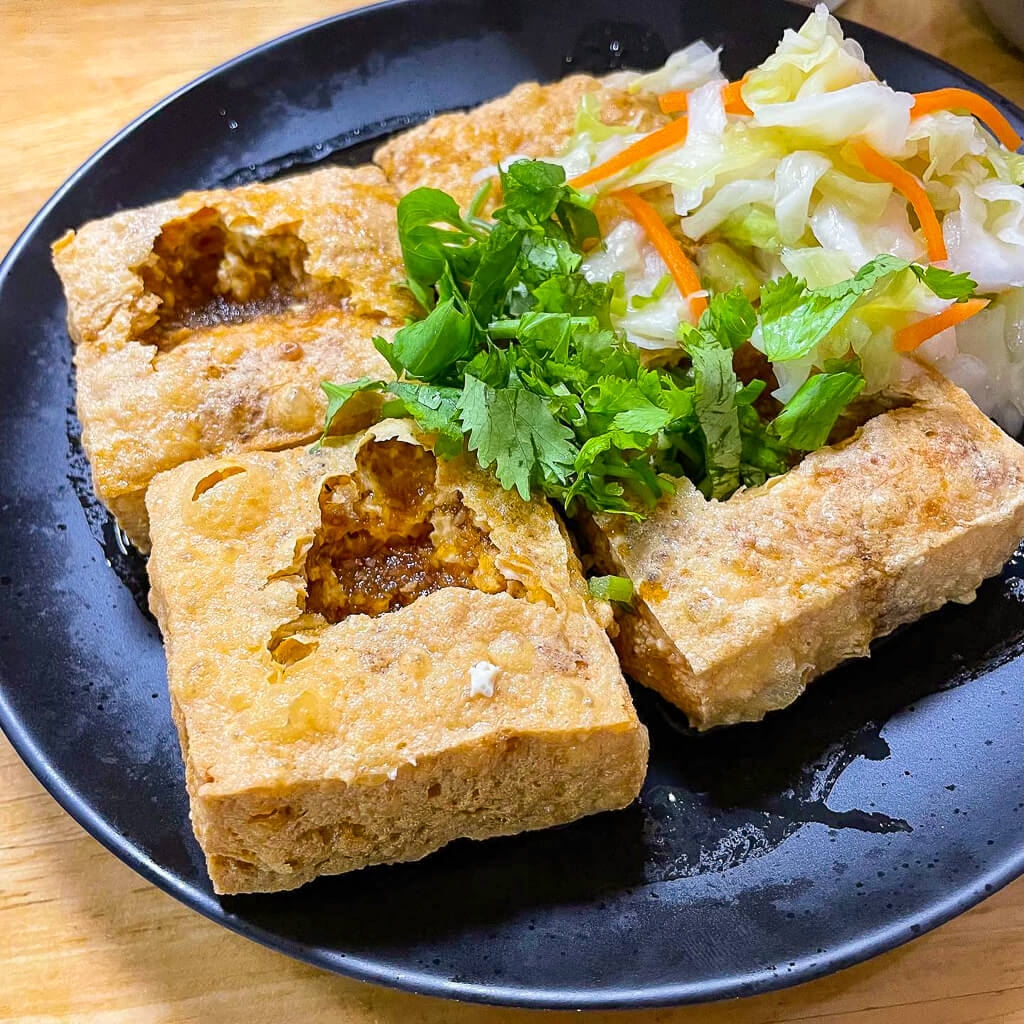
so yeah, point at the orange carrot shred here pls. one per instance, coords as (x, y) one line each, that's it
(681, 269)
(964, 99)
(672, 134)
(732, 97)
(908, 338)
(904, 182)
(675, 102)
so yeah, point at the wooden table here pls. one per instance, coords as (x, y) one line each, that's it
(84, 938)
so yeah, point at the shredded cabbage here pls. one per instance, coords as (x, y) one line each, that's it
(985, 356)
(818, 267)
(944, 139)
(753, 227)
(815, 60)
(652, 325)
(834, 228)
(706, 162)
(868, 110)
(722, 268)
(727, 199)
(685, 69)
(983, 238)
(795, 178)
(1006, 165)
(783, 192)
(865, 201)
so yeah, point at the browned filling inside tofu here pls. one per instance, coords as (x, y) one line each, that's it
(387, 538)
(206, 274)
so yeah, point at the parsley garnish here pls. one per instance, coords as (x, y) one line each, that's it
(516, 360)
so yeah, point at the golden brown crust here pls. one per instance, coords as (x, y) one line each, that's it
(358, 741)
(531, 121)
(205, 324)
(741, 603)
(344, 217)
(230, 388)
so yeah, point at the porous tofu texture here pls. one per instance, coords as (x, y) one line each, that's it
(323, 614)
(740, 604)
(204, 325)
(449, 151)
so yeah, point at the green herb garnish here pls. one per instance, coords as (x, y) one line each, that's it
(516, 359)
(611, 588)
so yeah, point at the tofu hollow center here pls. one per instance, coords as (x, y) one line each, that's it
(387, 538)
(204, 325)
(205, 273)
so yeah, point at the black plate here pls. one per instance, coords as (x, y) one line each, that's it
(888, 799)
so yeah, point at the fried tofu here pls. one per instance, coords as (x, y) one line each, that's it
(449, 151)
(372, 652)
(203, 325)
(740, 604)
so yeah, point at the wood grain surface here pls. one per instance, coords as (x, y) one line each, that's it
(82, 938)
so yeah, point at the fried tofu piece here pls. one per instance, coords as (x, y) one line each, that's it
(204, 325)
(740, 604)
(372, 652)
(447, 152)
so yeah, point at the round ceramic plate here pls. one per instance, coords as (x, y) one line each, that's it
(888, 799)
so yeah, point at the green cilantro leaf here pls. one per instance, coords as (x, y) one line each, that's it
(514, 430)
(944, 283)
(794, 319)
(427, 248)
(422, 294)
(763, 455)
(535, 191)
(865, 279)
(531, 191)
(781, 297)
(517, 358)
(715, 386)
(730, 318)
(428, 349)
(543, 256)
(497, 260)
(809, 416)
(435, 409)
(338, 396)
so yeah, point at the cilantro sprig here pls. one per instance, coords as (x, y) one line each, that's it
(516, 358)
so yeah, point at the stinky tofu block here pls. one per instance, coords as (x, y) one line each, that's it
(739, 604)
(203, 325)
(372, 652)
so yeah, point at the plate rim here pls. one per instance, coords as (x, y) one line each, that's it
(896, 932)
